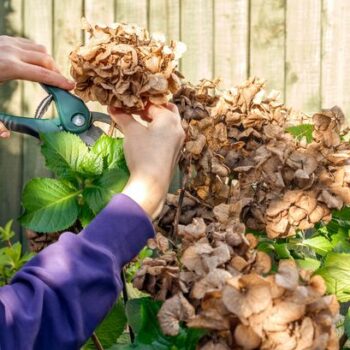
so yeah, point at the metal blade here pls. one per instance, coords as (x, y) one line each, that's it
(91, 135)
(101, 117)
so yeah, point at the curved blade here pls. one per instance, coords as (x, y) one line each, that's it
(91, 135)
(101, 117)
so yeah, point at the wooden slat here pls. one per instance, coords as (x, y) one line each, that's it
(99, 12)
(132, 12)
(11, 102)
(231, 41)
(38, 27)
(267, 42)
(197, 34)
(67, 31)
(336, 55)
(303, 54)
(164, 17)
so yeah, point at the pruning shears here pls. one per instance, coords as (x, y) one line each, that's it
(73, 116)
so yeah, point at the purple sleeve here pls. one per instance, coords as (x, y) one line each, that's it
(57, 299)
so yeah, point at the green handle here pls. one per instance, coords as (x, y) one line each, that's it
(73, 113)
(30, 126)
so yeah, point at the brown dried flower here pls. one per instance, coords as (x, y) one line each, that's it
(123, 66)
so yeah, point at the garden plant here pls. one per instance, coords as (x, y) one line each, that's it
(253, 250)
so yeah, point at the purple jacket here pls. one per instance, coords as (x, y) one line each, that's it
(57, 299)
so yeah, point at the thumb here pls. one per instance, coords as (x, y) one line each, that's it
(124, 120)
(4, 133)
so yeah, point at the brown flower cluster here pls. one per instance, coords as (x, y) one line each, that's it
(211, 276)
(124, 66)
(243, 169)
(238, 148)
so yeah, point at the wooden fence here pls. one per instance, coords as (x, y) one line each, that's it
(302, 48)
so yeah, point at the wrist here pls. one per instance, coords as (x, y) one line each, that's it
(147, 193)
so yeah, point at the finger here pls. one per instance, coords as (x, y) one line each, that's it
(37, 58)
(4, 133)
(150, 112)
(39, 74)
(124, 121)
(30, 45)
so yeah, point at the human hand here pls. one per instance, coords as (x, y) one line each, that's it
(23, 59)
(151, 153)
(4, 133)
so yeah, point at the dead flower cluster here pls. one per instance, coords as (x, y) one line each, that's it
(243, 169)
(215, 279)
(123, 66)
(238, 149)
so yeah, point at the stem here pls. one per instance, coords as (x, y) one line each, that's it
(126, 298)
(96, 341)
(9, 243)
(112, 128)
(342, 340)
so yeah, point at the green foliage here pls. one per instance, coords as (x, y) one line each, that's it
(135, 265)
(68, 156)
(86, 181)
(336, 272)
(50, 205)
(142, 317)
(111, 328)
(12, 257)
(321, 245)
(300, 131)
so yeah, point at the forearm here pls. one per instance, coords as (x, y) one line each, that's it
(58, 298)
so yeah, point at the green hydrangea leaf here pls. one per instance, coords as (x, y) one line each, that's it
(336, 272)
(299, 131)
(321, 245)
(68, 156)
(142, 317)
(111, 151)
(308, 264)
(50, 205)
(86, 215)
(111, 328)
(101, 190)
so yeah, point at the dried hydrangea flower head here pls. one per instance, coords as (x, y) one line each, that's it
(123, 66)
(244, 170)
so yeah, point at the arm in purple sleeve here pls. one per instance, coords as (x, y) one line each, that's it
(57, 299)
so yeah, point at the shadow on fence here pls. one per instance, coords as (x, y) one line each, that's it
(10, 150)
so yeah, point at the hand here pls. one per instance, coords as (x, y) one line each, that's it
(4, 133)
(23, 59)
(151, 153)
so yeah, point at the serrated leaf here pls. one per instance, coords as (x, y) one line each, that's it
(308, 264)
(321, 245)
(111, 327)
(300, 131)
(68, 156)
(341, 217)
(6, 232)
(86, 215)
(100, 192)
(50, 205)
(111, 151)
(336, 272)
(282, 251)
(142, 317)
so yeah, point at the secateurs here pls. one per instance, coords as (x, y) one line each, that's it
(73, 116)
